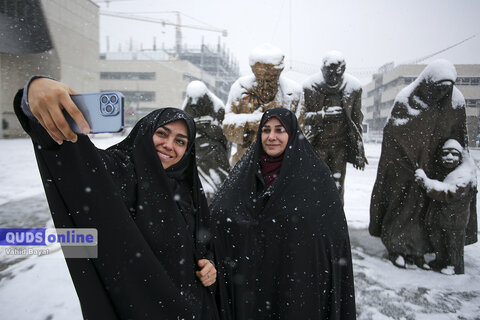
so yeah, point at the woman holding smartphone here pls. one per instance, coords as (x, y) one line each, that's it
(281, 231)
(143, 196)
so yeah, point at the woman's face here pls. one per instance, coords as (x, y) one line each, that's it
(171, 141)
(274, 137)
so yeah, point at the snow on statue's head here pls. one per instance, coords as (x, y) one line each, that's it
(267, 54)
(196, 90)
(437, 80)
(439, 70)
(198, 101)
(266, 62)
(333, 68)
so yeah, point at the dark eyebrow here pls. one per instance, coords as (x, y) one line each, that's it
(277, 125)
(178, 135)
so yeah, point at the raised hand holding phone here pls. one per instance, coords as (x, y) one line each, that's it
(47, 98)
(62, 115)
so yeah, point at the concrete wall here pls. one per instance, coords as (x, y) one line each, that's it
(73, 26)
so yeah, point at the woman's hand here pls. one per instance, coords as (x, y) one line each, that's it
(207, 273)
(47, 98)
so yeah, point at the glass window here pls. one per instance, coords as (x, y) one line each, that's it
(127, 75)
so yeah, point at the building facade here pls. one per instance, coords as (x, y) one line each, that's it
(66, 49)
(380, 93)
(60, 39)
(148, 83)
(218, 63)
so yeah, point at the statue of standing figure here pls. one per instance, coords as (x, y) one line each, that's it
(425, 114)
(333, 117)
(452, 197)
(211, 145)
(251, 96)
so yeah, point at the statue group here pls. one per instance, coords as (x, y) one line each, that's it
(424, 197)
(423, 200)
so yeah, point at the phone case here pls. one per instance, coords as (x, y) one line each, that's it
(102, 110)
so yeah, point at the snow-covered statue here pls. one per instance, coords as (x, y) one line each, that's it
(211, 145)
(251, 96)
(333, 117)
(425, 114)
(451, 211)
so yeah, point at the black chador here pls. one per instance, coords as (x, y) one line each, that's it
(151, 222)
(285, 248)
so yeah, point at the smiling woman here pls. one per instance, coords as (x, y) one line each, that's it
(281, 233)
(274, 137)
(171, 141)
(144, 197)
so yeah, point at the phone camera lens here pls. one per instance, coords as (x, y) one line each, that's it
(104, 99)
(113, 99)
(109, 108)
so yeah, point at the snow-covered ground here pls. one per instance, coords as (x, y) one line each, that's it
(41, 288)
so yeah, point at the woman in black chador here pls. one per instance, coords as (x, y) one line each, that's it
(281, 231)
(144, 197)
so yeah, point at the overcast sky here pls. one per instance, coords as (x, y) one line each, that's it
(370, 33)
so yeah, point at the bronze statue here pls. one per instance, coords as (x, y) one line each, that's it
(333, 117)
(451, 206)
(425, 114)
(211, 145)
(252, 95)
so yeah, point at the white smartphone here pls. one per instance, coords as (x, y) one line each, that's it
(102, 110)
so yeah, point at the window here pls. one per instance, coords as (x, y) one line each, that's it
(468, 81)
(139, 96)
(189, 77)
(472, 103)
(127, 75)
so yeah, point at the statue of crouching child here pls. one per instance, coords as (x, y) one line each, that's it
(450, 212)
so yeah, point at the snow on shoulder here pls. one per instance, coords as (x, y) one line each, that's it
(350, 83)
(240, 119)
(238, 89)
(268, 54)
(313, 80)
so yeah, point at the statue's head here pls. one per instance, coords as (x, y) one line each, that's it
(199, 101)
(451, 154)
(437, 80)
(333, 68)
(266, 62)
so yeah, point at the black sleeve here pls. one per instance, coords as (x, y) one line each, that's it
(117, 164)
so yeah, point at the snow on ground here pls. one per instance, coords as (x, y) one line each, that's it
(41, 288)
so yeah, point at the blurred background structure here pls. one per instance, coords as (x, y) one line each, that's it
(112, 45)
(56, 38)
(61, 39)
